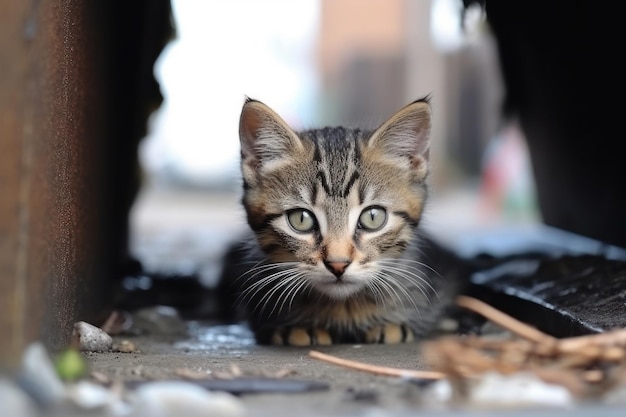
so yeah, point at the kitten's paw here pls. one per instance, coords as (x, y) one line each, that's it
(389, 334)
(300, 336)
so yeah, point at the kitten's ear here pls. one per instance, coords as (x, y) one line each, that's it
(265, 138)
(406, 136)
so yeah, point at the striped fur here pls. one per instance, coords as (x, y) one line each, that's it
(334, 214)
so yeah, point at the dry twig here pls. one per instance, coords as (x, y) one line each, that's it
(608, 346)
(576, 363)
(375, 369)
(498, 317)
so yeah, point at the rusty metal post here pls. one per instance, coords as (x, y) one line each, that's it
(76, 89)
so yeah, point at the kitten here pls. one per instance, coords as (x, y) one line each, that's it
(333, 255)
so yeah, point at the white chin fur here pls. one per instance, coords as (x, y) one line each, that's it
(338, 291)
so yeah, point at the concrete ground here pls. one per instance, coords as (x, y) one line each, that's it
(185, 231)
(216, 349)
(181, 232)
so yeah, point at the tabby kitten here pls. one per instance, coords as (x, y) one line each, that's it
(334, 257)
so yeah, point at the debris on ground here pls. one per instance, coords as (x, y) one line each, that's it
(125, 346)
(179, 398)
(251, 385)
(70, 365)
(119, 321)
(238, 381)
(91, 338)
(63, 385)
(516, 367)
(587, 366)
(235, 371)
(159, 321)
(39, 378)
(525, 366)
(39, 388)
(378, 370)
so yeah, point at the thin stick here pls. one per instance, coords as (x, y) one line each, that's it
(504, 320)
(612, 338)
(374, 369)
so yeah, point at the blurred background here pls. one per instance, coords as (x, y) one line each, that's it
(79, 218)
(317, 63)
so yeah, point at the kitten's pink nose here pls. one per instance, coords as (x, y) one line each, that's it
(337, 267)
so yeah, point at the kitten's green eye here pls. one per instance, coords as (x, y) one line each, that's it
(301, 220)
(372, 218)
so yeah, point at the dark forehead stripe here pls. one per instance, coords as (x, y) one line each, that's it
(351, 181)
(313, 195)
(321, 176)
(317, 155)
(356, 155)
(332, 140)
(335, 148)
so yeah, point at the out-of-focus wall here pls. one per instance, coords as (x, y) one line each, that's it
(76, 88)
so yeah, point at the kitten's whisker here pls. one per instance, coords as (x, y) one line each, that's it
(285, 282)
(374, 288)
(414, 277)
(265, 268)
(282, 288)
(293, 282)
(268, 266)
(265, 280)
(402, 261)
(264, 300)
(294, 292)
(380, 280)
(417, 282)
(251, 292)
(382, 299)
(387, 281)
(394, 282)
(259, 269)
(405, 272)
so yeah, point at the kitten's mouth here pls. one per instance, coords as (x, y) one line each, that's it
(338, 288)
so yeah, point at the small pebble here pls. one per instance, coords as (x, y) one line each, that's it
(517, 390)
(438, 392)
(88, 395)
(176, 398)
(70, 365)
(125, 346)
(91, 338)
(39, 378)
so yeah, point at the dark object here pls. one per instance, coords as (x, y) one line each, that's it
(558, 59)
(183, 292)
(564, 296)
(562, 283)
(363, 395)
(239, 386)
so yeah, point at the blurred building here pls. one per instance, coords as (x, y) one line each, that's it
(376, 56)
